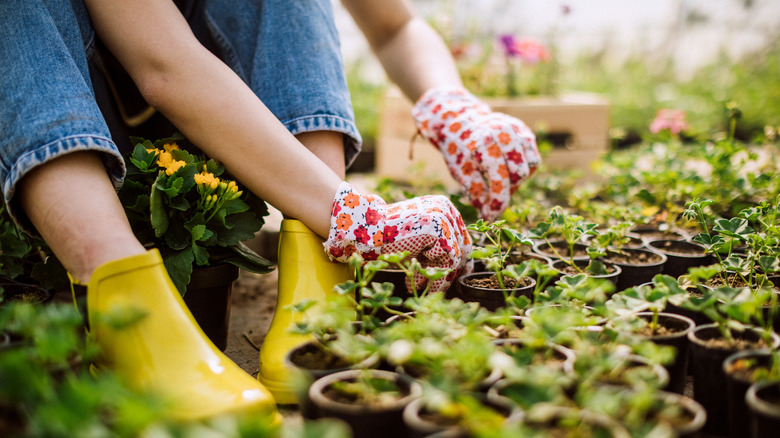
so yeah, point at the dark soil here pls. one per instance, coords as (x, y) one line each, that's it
(634, 257)
(677, 247)
(659, 331)
(349, 393)
(732, 280)
(562, 249)
(313, 358)
(492, 282)
(571, 270)
(738, 344)
(25, 294)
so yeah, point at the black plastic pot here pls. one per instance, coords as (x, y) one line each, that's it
(421, 423)
(553, 355)
(693, 410)
(581, 420)
(678, 370)
(698, 318)
(634, 274)
(306, 375)
(763, 401)
(560, 265)
(648, 232)
(490, 299)
(709, 381)
(546, 249)
(737, 386)
(208, 298)
(516, 257)
(680, 255)
(366, 420)
(24, 293)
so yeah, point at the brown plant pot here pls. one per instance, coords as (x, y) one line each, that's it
(489, 297)
(709, 381)
(208, 299)
(365, 419)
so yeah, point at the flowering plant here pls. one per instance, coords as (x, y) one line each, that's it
(186, 207)
(507, 66)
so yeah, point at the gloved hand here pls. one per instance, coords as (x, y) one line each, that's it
(488, 153)
(430, 228)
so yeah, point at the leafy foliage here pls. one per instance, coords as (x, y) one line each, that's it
(188, 208)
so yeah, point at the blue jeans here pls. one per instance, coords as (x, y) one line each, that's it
(60, 91)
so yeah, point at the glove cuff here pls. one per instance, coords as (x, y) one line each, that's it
(439, 101)
(357, 224)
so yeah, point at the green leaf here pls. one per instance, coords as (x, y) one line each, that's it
(240, 227)
(179, 266)
(735, 227)
(249, 260)
(201, 255)
(158, 214)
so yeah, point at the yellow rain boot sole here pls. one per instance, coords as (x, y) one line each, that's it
(166, 351)
(305, 272)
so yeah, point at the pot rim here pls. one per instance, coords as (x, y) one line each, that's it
(663, 260)
(617, 272)
(753, 352)
(461, 282)
(703, 255)
(316, 390)
(754, 401)
(713, 326)
(366, 363)
(683, 318)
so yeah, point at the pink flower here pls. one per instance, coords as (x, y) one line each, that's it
(671, 119)
(528, 50)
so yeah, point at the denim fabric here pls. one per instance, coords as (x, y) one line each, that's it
(287, 52)
(47, 106)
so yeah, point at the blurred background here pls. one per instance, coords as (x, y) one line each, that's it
(699, 56)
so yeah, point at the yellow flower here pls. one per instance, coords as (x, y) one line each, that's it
(166, 160)
(206, 179)
(171, 147)
(174, 166)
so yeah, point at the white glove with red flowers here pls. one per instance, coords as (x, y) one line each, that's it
(430, 228)
(488, 153)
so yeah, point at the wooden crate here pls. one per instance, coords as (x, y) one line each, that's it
(581, 119)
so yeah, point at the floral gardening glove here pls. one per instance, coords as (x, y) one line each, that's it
(488, 153)
(430, 228)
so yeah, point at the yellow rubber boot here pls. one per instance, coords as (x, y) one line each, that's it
(305, 272)
(166, 351)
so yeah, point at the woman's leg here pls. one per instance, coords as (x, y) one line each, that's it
(328, 146)
(72, 203)
(59, 171)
